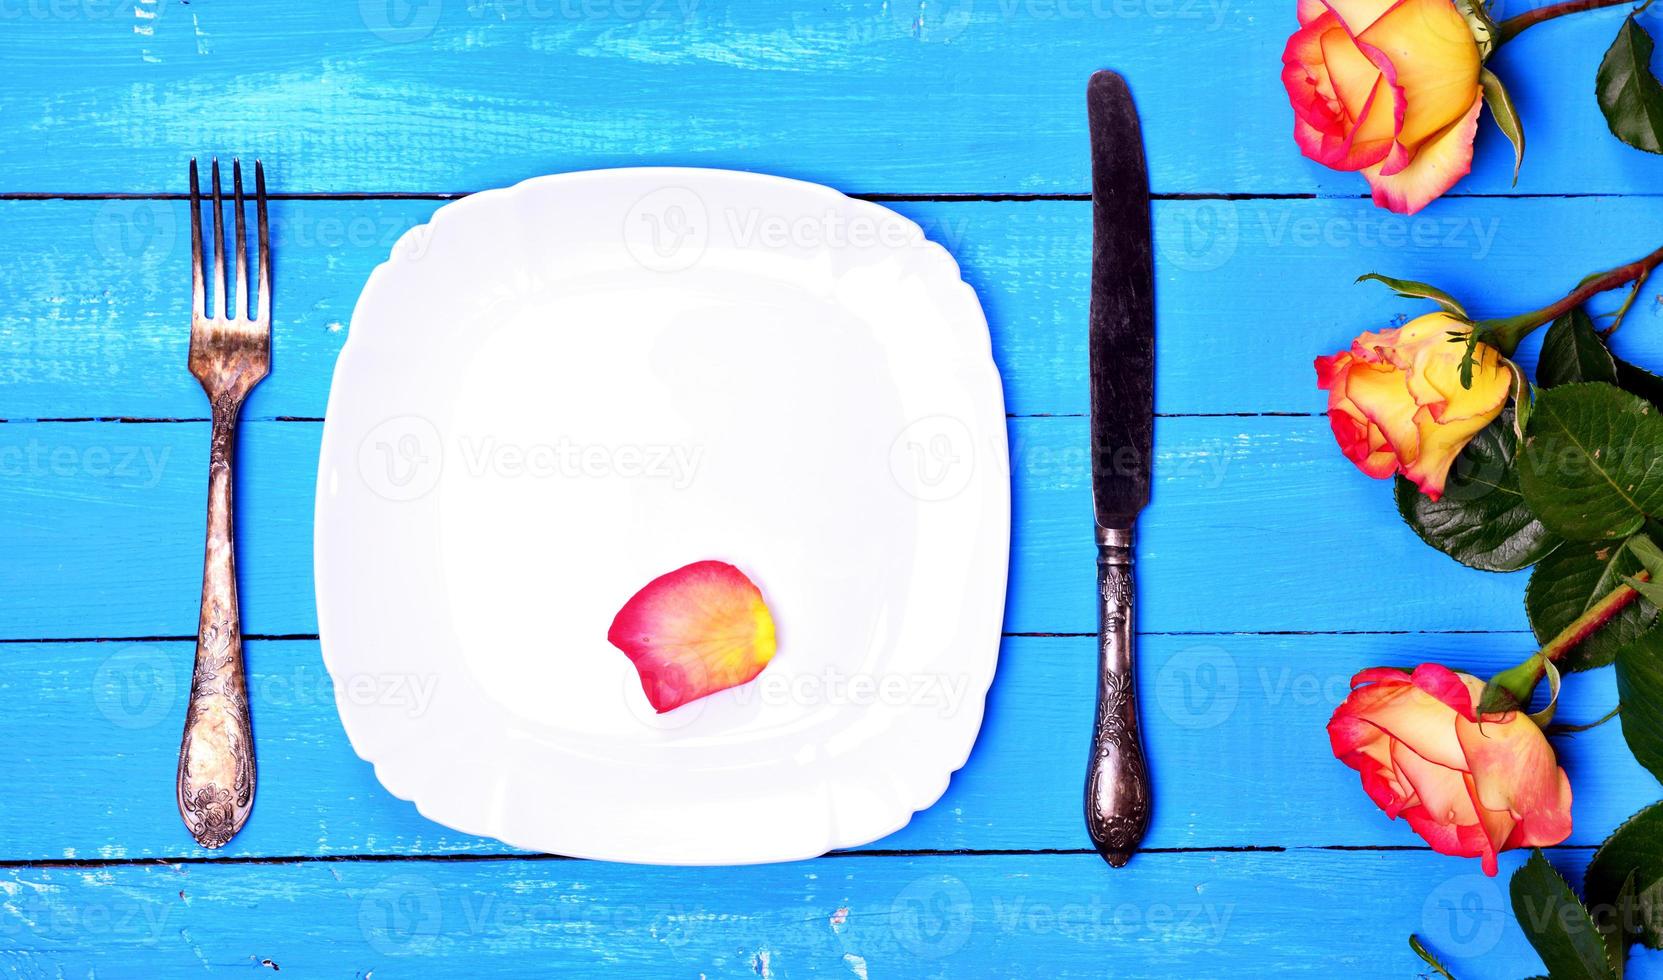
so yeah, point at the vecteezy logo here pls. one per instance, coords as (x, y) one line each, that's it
(1204, 238)
(400, 21)
(933, 458)
(135, 687)
(1198, 688)
(401, 459)
(131, 234)
(401, 917)
(932, 916)
(933, 20)
(1465, 916)
(668, 230)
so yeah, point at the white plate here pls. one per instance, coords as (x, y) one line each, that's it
(557, 391)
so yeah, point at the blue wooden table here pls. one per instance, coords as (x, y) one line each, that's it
(1271, 569)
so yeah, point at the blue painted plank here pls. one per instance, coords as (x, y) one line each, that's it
(102, 524)
(1300, 914)
(868, 95)
(1235, 725)
(94, 309)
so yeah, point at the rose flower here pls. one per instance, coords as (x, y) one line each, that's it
(1472, 788)
(1388, 88)
(1396, 403)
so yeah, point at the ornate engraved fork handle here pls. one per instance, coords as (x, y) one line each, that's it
(216, 758)
(1117, 780)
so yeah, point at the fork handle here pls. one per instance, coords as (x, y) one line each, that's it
(1117, 778)
(216, 755)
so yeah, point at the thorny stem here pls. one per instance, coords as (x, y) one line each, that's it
(1597, 615)
(1506, 333)
(1513, 26)
(1622, 310)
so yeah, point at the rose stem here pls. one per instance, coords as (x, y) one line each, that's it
(1513, 26)
(1597, 615)
(1509, 331)
(1622, 311)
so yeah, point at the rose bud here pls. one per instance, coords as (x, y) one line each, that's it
(1471, 788)
(1387, 88)
(1396, 403)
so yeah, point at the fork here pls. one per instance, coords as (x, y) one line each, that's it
(229, 355)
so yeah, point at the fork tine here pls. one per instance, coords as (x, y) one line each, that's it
(241, 240)
(197, 309)
(219, 245)
(263, 300)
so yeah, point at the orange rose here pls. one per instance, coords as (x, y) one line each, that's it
(1470, 789)
(1396, 403)
(1388, 87)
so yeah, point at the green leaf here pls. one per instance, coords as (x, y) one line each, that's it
(1556, 924)
(1629, 94)
(1481, 520)
(1506, 115)
(1618, 924)
(1410, 289)
(1426, 955)
(1653, 591)
(1640, 692)
(1572, 579)
(1633, 850)
(1592, 468)
(1640, 381)
(1572, 352)
(1650, 555)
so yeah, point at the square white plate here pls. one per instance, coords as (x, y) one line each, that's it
(555, 392)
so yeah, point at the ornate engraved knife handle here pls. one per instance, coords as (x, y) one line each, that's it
(1117, 780)
(216, 758)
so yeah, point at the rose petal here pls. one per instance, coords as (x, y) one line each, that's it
(1435, 380)
(1345, 128)
(1441, 790)
(1517, 773)
(1459, 691)
(1409, 714)
(1378, 394)
(695, 631)
(1359, 15)
(1435, 61)
(1438, 164)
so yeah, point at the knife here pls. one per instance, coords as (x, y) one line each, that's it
(1122, 351)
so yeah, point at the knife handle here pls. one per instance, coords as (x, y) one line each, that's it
(1117, 780)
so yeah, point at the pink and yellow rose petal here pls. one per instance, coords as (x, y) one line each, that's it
(1397, 405)
(1389, 88)
(692, 632)
(1471, 787)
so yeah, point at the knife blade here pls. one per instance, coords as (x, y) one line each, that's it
(1122, 352)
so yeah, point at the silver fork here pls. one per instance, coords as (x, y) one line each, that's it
(230, 353)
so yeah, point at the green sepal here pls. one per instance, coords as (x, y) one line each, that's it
(1506, 115)
(1512, 689)
(1410, 289)
(1484, 29)
(1426, 956)
(1544, 717)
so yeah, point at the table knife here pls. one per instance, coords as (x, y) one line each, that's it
(1122, 351)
